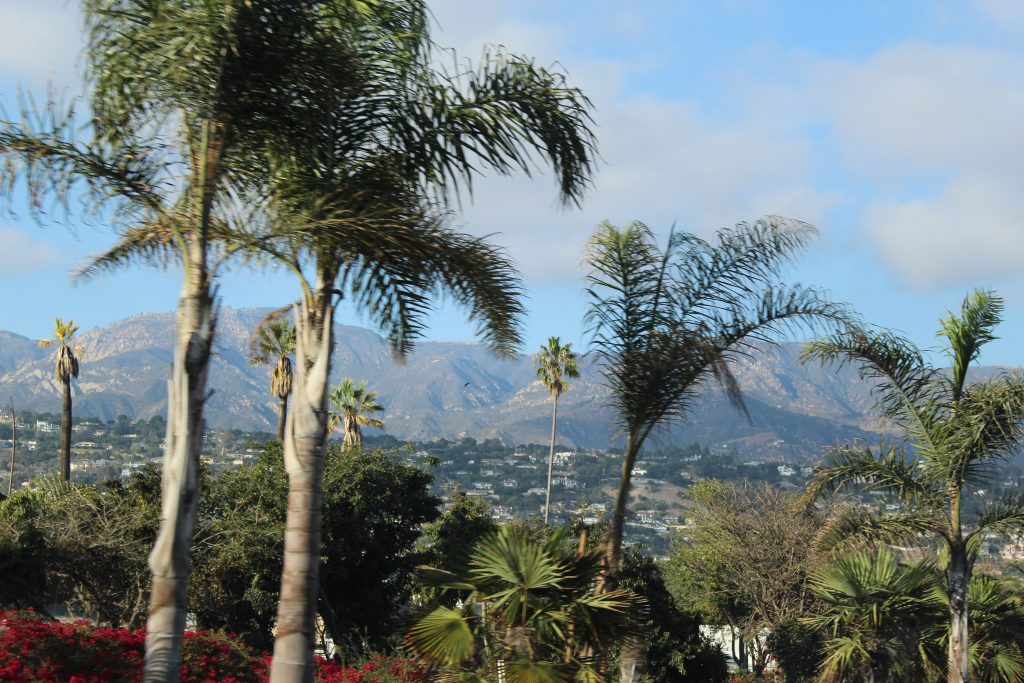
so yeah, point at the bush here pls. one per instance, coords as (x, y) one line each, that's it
(36, 649)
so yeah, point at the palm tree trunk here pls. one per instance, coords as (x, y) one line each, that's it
(352, 438)
(282, 414)
(65, 431)
(633, 656)
(14, 449)
(551, 458)
(305, 433)
(613, 551)
(958, 577)
(169, 561)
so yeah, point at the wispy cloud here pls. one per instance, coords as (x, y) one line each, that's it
(21, 253)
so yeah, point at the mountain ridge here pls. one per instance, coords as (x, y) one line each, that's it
(444, 389)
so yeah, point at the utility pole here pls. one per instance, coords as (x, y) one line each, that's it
(14, 448)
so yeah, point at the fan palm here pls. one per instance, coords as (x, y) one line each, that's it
(64, 370)
(876, 613)
(997, 621)
(358, 209)
(353, 407)
(182, 97)
(958, 432)
(555, 363)
(527, 607)
(275, 339)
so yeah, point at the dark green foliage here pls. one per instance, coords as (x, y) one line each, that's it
(87, 545)
(677, 652)
(797, 650)
(451, 538)
(90, 545)
(374, 508)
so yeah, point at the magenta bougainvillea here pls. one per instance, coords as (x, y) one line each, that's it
(36, 649)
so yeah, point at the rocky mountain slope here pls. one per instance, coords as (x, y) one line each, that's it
(443, 389)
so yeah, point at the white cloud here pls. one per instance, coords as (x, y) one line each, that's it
(931, 135)
(21, 253)
(972, 232)
(925, 109)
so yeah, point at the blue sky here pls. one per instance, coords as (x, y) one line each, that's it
(895, 128)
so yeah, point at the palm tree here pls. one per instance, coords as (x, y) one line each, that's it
(529, 608)
(64, 370)
(876, 614)
(359, 202)
(275, 338)
(554, 363)
(958, 432)
(997, 620)
(182, 97)
(665, 322)
(353, 407)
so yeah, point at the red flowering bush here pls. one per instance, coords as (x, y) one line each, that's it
(380, 669)
(35, 649)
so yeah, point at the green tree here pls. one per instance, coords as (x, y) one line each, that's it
(352, 406)
(90, 545)
(374, 509)
(665, 322)
(678, 653)
(555, 363)
(359, 200)
(449, 541)
(64, 370)
(529, 611)
(745, 559)
(959, 431)
(274, 340)
(181, 96)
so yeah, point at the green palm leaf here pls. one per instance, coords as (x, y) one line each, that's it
(444, 636)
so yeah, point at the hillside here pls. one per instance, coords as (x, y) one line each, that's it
(443, 389)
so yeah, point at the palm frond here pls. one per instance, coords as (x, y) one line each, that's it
(43, 151)
(393, 261)
(887, 469)
(857, 526)
(980, 312)
(1004, 517)
(988, 424)
(496, 116)
(443, 636)
(663, 322)
(908, 390)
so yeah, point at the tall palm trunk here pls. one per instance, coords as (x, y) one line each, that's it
(633, 655)
(65, 431)
(305, 433)
(613, 550)
(14, 449)
(169, 561)
(958, 577)
(282, 414)
(551, 458)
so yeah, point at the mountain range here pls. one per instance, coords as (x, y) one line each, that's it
(445, 389)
